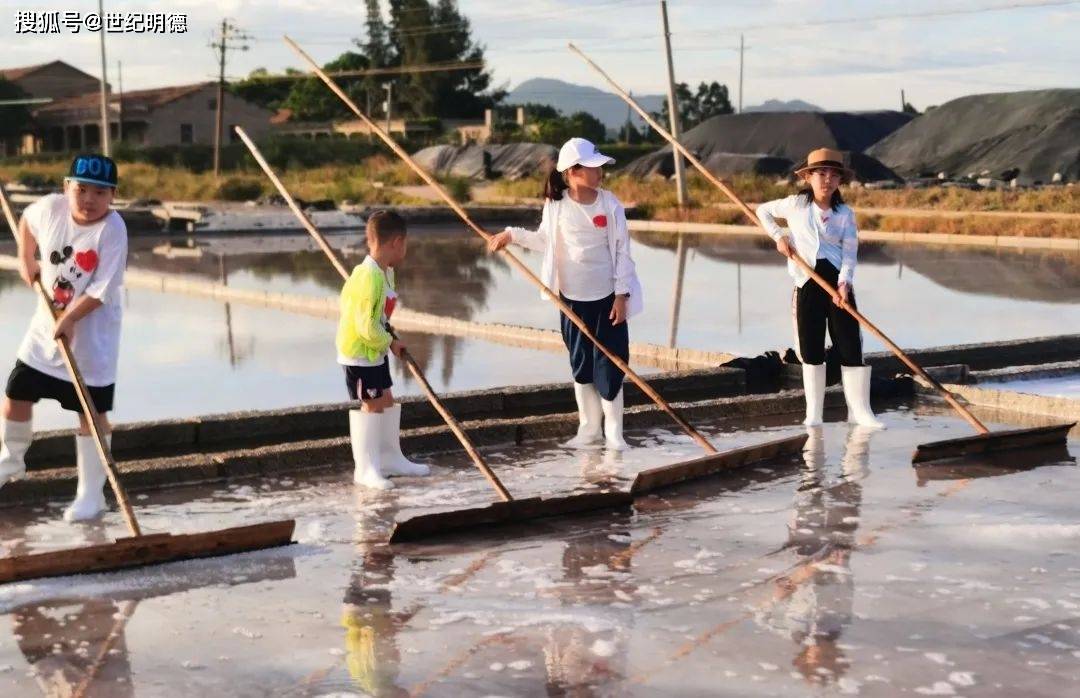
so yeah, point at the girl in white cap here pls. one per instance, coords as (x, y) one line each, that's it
(823, 232)
(586, 247)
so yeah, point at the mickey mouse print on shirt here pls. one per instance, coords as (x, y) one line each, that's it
(77, 260)
(70, 270)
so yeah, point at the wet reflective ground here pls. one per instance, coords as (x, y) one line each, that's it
(845, 572)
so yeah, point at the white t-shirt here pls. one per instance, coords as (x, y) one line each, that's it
(582, 253)
(76, 260)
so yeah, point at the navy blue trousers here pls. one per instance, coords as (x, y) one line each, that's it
(589, 364)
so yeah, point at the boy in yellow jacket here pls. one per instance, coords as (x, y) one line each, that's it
(363, 342)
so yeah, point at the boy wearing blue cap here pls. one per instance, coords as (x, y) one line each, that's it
(77, 245)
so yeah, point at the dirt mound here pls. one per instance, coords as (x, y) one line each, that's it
(761, 138)
(1027, 135)
(509, 161)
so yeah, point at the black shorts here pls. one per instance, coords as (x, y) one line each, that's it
(368, 382)
(30, 385)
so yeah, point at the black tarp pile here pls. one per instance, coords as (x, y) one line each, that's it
(508, 161)
(772, 143)
(1028, 136)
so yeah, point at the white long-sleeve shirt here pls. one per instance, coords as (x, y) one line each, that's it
(544, 239)
(815, 236)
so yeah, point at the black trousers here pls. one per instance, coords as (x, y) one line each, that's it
(813, 311)
(589, 364)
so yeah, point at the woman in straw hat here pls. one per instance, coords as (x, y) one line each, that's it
(821, 229)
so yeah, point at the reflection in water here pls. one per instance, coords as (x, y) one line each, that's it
(581, 658)
(727, 293)
(373, 656)
(445, 276)
(813, 604)
(77, 646)
(992, 464)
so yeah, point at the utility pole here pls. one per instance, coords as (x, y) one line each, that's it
(120, 92)
(229, 32)
(389, 87)
(104, 86)
(673, 111)
(629, 124)
(903, 102)
(742, 48)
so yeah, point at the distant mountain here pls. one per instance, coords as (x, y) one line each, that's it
(569, 98)
(790, 105)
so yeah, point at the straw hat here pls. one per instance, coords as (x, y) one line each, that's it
(826, 157)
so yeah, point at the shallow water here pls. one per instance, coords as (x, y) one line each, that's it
(734, 295)
(1058, 386)
(182, 356)
(845, 572)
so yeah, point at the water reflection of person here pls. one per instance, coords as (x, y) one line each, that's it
(77, 647)
(371, 625)
(813, 604)
(601, 467)
(582, 660)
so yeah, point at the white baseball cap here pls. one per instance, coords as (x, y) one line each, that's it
(578, 151)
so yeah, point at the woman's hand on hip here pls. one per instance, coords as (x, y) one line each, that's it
(618, 310)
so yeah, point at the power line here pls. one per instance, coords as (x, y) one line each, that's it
(900, 15)
(391, 70)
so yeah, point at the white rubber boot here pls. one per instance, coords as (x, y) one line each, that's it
(365, 433)
(393, 461)
(590, 415)
(813, 380)
(90, 495)
(613, 423)
(16, 438)
(857, 393)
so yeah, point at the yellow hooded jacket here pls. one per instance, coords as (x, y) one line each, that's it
(361, 333)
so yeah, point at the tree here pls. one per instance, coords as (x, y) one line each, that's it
(711, 99)
(259, 88)
(533, 112)
(579, 124)
(422, 32)
(310, 100)
(909, 109)
(376, 48)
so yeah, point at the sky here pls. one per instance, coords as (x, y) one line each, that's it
(840, 54)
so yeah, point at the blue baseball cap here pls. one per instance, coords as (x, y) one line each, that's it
(92, 168)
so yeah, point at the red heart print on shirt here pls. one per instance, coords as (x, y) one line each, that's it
(388, 309)
(87, 260)
(600, 221)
